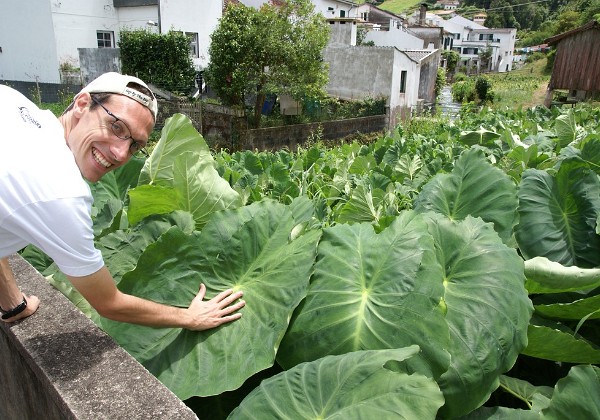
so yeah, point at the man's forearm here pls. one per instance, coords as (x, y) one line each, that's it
(100, 291)
(135, 310)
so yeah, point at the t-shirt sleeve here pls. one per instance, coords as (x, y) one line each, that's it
(61, 228)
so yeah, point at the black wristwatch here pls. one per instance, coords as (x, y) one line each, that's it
(14, 311)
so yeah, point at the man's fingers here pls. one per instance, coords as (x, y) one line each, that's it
(229, 309)
(227, 297)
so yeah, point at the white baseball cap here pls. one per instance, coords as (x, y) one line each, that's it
(113, 82)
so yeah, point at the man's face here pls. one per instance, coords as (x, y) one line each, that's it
(96, 147)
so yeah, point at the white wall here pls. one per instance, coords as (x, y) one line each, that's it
(76, 22)
(27, 42)
(323, 6)
(397, 36)
(192, 16)
(137, 18)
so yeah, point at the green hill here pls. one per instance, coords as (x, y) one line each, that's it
(400, 6)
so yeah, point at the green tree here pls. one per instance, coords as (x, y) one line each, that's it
(451, 58)
(161, 59)
(566, 21)
(591, 13)
(274, 50)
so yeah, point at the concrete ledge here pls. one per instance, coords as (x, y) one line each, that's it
(57, 364)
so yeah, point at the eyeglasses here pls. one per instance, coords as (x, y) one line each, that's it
(120, 129)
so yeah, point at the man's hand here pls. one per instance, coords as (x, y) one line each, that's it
(212, 313)
(32, 305)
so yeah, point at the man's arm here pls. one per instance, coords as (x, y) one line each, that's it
(100, 291)
(11, 296)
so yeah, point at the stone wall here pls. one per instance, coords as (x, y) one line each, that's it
(57, 364)
(291, 136)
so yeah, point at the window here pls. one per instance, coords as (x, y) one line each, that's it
(105, 39)
(193, 38)
(486, 37)
(342, 13)
(403, 81)
(194, 50)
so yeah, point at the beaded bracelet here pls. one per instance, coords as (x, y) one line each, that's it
(14, 311)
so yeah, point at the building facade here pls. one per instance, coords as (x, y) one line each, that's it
(56, 30)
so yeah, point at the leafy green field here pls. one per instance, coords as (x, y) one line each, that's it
(446, 270)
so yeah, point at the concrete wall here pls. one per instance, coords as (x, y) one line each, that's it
(361, 72)
(429, 66)
(342, 31)
(96, 61)
(57, 364)
(292, 136)
(28, 47)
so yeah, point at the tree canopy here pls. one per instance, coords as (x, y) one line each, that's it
(161, 59)
(272, 50)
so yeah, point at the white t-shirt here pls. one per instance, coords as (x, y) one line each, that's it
(44, 200)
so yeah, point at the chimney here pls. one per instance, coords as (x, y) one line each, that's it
(422, 14)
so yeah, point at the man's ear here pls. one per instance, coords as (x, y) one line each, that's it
(81, 104)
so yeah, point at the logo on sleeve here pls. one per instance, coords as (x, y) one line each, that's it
(26, 116)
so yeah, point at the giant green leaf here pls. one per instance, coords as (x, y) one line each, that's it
(178, 136)
(391, 290)
(523, 390)
(545, 276)
(364, 295)
(116, 183)
(365, 205)
(566, 128)
(590, 152)
(122, 249)
(482, 137)
(586, 307)
(475, 188)
(576, 395)
(358, 385)
(246, 249)
(501, 413)
(558, 215)
(553, 341)
(195, 187)
(488, 309)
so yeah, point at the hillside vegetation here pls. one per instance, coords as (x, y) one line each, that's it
(535, 21)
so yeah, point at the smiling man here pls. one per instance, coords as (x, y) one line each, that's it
(45, 201)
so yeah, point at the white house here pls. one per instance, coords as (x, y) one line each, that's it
(405, 78)
(328, 8)
(54, 31)
(470, 39)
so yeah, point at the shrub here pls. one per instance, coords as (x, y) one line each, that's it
(464, 91)
(459, 77)
(483, 87)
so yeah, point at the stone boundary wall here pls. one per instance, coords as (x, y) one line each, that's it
(291, 136)
(57, 364)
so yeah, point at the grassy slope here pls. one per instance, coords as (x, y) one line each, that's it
(525, 87)
(399, 6)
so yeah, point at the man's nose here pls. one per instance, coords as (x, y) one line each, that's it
(120, 149)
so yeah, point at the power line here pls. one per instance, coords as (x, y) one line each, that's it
(516, 5)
